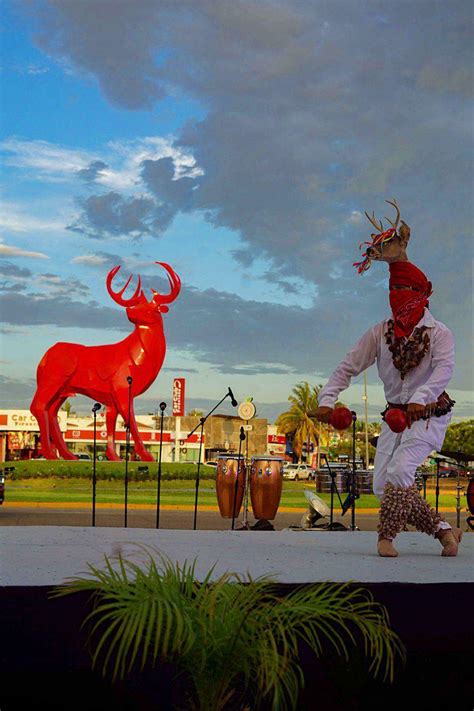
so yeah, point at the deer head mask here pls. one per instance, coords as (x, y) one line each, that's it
(386, 245)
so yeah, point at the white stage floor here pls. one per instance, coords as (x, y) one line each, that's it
(47, 555)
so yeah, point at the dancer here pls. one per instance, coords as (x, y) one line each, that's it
(415, 360)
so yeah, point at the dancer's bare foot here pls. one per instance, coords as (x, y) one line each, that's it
(450, 538)
(386, 549)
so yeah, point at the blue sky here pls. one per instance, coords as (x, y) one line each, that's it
(240, 142)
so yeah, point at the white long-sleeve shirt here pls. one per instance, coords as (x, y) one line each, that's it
(423, 384)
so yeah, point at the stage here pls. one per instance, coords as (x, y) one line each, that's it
(47, 555)
(43, 657)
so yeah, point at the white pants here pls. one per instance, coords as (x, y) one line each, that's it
(398, 467)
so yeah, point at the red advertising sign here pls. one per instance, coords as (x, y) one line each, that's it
(276, 439)
(178, 397)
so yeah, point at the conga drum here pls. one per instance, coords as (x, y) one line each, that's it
(266, 483)
(364, 481)
(230, 484)
(324, 481)
(470, 495)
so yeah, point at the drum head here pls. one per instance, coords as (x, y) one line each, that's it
(265, 458)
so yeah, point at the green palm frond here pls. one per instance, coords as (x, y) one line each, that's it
(299, 421)
(234, 638)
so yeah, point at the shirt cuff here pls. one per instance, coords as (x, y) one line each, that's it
(326, 401)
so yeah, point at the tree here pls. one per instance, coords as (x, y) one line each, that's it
(67, 407)
(299, 422)
(460, 437)
(195, 413)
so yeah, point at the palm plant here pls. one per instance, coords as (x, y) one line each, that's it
(235, 640)
(300, 420)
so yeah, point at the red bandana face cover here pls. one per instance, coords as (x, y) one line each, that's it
(407, 304)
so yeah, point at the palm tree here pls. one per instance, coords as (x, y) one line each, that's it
(299, 422)
(233, 640)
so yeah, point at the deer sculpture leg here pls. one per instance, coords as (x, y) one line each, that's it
(40, 409)
(111, 419)
(122, 406)
(55, 432)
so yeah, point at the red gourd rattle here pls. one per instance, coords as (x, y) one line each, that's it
(396, 419)
(341, 418)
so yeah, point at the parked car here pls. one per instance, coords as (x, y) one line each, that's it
(449, 472)
(84, 455)
(211, 463)
(297, 472)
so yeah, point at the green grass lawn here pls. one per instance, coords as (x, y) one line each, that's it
(174, 492)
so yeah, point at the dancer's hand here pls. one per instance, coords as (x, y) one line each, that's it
(415, 412)
(323, 414)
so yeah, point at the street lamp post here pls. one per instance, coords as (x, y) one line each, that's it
(365, 399)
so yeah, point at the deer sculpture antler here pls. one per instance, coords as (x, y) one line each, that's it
(117, 296)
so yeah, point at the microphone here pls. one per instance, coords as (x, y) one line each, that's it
(232, 398)
(162, 406)
(96, 407)
(129, 379)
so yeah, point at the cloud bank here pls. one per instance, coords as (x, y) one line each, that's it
(314, 112)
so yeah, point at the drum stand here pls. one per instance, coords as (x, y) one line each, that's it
(245, 518)
(332, 525)
(201, 425)
(349, 503)
(242, 437)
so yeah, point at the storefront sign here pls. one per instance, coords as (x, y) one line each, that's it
(24, 421)
(178, 397)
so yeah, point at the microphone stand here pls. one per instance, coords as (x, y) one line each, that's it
(239, 463)
(127, 449)
(334, 489)
(158, 492)
(353, 485)
(201, 425)
(96, 407)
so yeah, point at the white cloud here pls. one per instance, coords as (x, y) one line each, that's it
(13, 218)
(9, 251)
(34, 69)
(123, 160)
(48, 159)
(128, 157)
(355, 218)
(89, 259)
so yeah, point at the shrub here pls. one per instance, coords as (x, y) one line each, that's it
(111, 471)
(235, 640)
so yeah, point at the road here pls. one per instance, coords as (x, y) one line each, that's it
(44, 515)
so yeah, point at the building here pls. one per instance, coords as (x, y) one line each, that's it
(181, 441)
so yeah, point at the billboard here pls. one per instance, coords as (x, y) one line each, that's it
(178, 397)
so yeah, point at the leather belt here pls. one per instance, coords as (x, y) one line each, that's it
(442, 406)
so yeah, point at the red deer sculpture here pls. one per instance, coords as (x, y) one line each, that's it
(103, 372)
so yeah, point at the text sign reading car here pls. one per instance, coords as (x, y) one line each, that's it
(178, 396)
